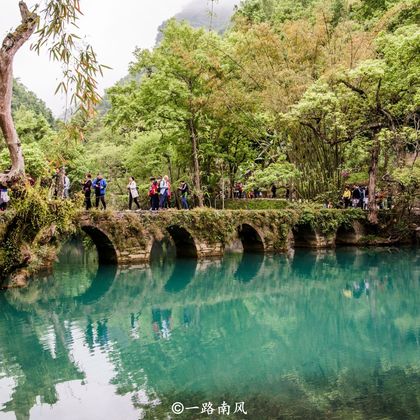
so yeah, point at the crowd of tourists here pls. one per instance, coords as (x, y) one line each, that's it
(355, 197)
(98, 185)
(358, 197)
(160, 193)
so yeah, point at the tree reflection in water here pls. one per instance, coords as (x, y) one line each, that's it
(286, 338)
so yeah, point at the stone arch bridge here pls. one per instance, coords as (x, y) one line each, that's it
(132, 237)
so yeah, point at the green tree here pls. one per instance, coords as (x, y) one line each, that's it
(51, 22)
(373, 104)
(22, 97)
(173, 95)
(30, 126)
(37, 165)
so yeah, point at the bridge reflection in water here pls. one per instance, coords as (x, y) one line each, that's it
(287, 334)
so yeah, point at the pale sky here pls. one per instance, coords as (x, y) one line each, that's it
(113, 28)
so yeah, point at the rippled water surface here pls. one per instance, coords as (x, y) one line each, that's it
(314, 335)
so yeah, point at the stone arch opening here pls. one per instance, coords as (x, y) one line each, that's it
(251, 239)
(184, 242)
(107, 254)
(346, 235)
(162, 249)
(304, 236)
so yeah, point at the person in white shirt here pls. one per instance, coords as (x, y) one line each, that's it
(133, 194)
(163, 191)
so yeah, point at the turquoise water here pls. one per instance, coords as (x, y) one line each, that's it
(312, 335)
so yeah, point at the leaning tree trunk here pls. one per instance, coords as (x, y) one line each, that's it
(11, 44)
(196, 177)
(373, 171)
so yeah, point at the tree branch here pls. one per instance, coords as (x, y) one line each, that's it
(361, 92)
(24, 11)
(14, 40)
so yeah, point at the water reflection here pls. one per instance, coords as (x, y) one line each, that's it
(249, 267)
(316, 335)
(183, 273)
(100, 285)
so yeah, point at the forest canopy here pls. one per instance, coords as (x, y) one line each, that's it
(308, 95)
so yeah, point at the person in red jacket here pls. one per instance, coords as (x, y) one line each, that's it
(154, 194)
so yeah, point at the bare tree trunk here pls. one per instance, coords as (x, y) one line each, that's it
(231, 185)
(373, 171)
(196, 175)
(11, 44)
(171, 177)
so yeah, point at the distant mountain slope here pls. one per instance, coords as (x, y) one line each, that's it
(22, 96)
(198, 14)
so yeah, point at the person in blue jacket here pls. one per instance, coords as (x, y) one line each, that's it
(99, 185)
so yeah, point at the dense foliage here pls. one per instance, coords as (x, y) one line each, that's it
(307, 95)
(24, 98)
(28, 232)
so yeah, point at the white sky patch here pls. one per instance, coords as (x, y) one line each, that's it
(113, 28)
(7, 386)
(94, 397)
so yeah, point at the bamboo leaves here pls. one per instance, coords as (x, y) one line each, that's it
(56, 23)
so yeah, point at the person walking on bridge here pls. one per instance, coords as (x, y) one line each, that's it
(273, 191)
(163, 191)
(154, 194)
(347, 197)
(356, 196)
(133, 194)
(99, 184)
(169, 195)
(87, 190)
(184, 190)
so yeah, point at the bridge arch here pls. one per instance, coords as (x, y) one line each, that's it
(107, 252)
(184, 242)
(252, 240)
(162, 248)
(304, 236)
(347, 234)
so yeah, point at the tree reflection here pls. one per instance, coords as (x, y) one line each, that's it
(288, 339)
